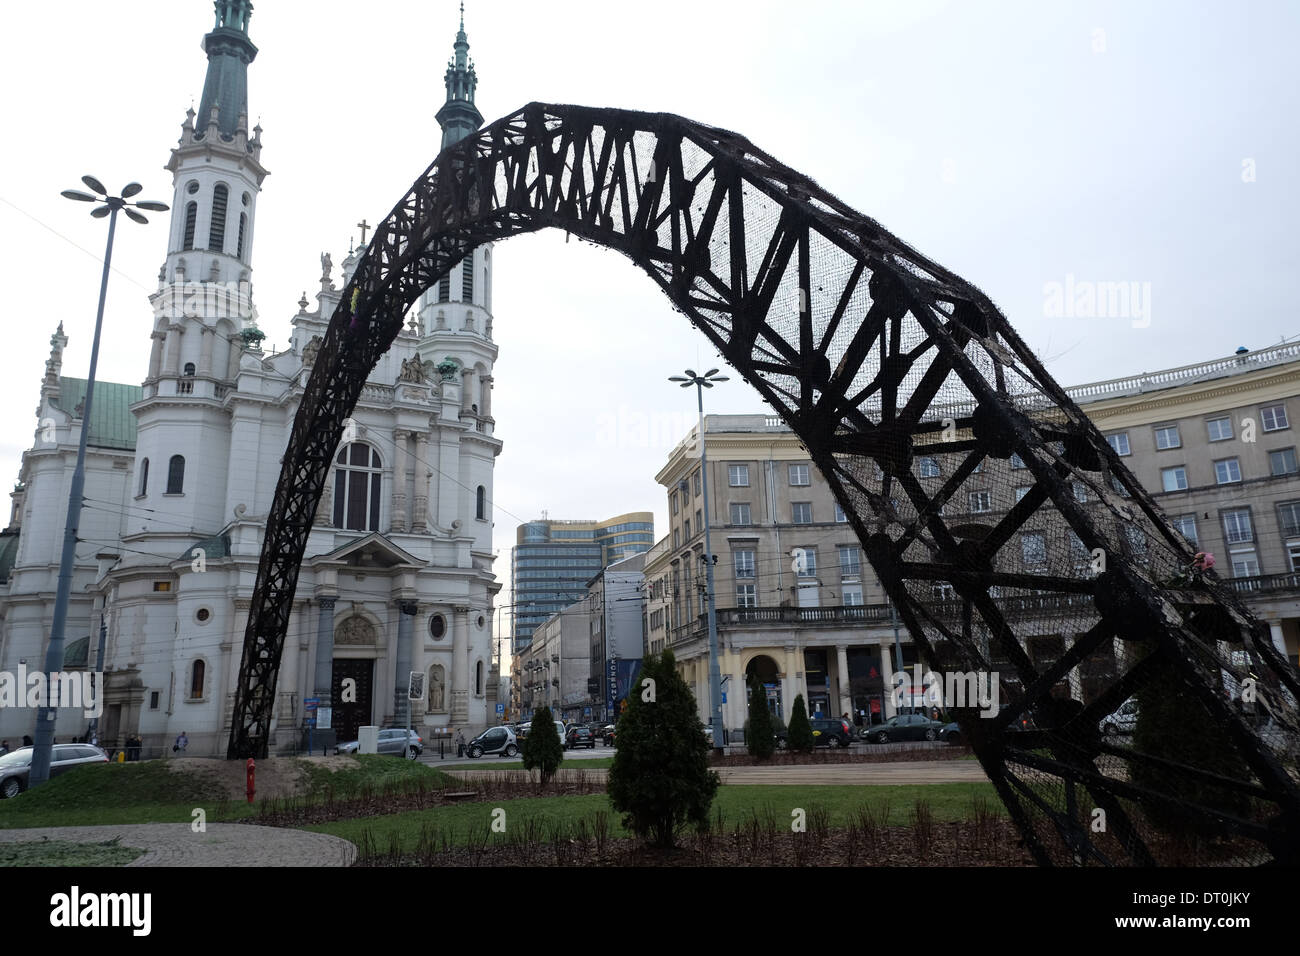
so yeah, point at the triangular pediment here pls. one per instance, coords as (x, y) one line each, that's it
(373, 551)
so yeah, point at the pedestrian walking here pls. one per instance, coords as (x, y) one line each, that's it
(460, 743)
(182, 741)
(4, 747)
(27, 740)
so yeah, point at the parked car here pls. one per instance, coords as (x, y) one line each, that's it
(579, 737)
(16, 766)
(495, 740)
(397, 741)
(521, 731)
(826, 733)
(951, 733)
(905, 727)
(1123, 720)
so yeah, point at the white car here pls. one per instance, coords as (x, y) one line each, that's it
(1123, 721)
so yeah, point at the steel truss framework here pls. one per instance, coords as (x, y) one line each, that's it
(876, 357)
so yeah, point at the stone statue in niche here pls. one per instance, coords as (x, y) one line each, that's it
(355, 630)
(437, 689)
(311, 350)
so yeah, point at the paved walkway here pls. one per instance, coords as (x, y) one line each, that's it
(896, 773)
(223, 844)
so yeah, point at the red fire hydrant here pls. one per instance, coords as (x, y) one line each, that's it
(251, 771)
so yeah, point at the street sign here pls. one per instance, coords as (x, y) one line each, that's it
(724, 696)
(501, 709)
(311, 703)
(586, 711)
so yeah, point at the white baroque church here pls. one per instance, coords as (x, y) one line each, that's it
(181, 471)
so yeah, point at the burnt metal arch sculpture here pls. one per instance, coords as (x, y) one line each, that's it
(875, 356)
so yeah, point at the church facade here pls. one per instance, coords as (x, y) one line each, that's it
(181, 470)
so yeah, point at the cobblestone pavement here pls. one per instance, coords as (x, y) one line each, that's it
(858, 774)
(223, 844)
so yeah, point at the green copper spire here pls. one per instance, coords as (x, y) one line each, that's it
(459, 116)
(229, 52)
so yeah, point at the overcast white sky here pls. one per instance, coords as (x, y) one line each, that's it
(1017, 143)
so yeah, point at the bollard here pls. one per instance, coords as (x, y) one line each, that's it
(441, 755)
(250, 766)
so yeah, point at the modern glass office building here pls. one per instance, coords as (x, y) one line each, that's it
(553, 561)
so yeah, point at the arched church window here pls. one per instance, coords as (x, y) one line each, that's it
(480, 508)
(357, 483)
(196, 680)
(191, 217)
(144, 477)
(239, 245)
(189, 369)
(217, 232)
(176, 475)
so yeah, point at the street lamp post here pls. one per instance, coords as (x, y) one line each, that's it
(701, 382)
(45, 715)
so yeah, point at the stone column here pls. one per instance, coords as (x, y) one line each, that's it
(1279, 639)
(399, 480)
(405, 618)
(325, 510)
(887, 672)
(420, 518)
(448, 503)
(174, 333)
(205, 351)
(790, 683)
(486, 408)
(323, 683)
(842, 668)
(155, 354)
(467, 389)
(419, 664)
(460, 667)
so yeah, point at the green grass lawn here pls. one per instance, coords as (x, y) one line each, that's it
(64, 853)
(948, 802)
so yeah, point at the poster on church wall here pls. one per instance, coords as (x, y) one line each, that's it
(323, 716)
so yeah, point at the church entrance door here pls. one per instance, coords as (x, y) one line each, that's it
(351, 703)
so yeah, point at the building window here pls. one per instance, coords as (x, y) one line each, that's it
(1080, 491)
(1282, 462)
(1137, 539)
(677, 538)
(672, 502)
(852, 597)
(980, 502)
(746, 595)
(1174, 479)
(929, 468)
(478, 679)
(437, 627)
(357, 483)
(1220, 429)
(1274, 418)
(1167, 437)
(738, 476)
(799, 475)
(480, 503)
(176, 475)
(196, 680)
(191, 217)
(1288, 518)
(1244, 563)
(144, 477)
(740, 513)
(1119, 442)
(161, 586)
(444, 288)
(699, 520)
(1227, 471)
(744, 563)
(697, 482)
(1119, 487)
(1022, 491)
(1033, 548)
(1079, 552)
(801, 512)
(467, 280)
(1017, 461)
(1293, 555)
(1186, 526)
(840, 516)
(189, 370)
(1237, 527)
(153, 700)
(806, 562)
(217, 231)
(686, 529)
(943, 591)
(850, 561)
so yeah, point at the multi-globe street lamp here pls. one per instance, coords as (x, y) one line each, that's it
(109, 206)
(701, 382)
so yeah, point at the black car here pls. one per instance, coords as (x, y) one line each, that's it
(579, 737)
(905, 727)
(826, 733)
(16, 766)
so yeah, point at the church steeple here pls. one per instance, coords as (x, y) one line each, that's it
(459, 116)
(229, 50)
